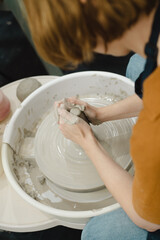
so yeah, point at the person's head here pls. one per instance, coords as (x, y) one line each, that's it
(66, 32)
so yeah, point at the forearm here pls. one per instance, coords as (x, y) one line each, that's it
(117, 181)
(129, 107)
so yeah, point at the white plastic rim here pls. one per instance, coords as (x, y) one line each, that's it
(9, 140)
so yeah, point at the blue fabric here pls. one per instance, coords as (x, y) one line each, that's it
(135, 67)
(151, 52)
(115, 225)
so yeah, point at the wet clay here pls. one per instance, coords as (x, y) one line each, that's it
(26, 87)
(76, 111)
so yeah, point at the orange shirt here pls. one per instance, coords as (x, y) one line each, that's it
(145, 151)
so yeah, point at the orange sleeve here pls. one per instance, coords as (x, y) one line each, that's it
(145, 151)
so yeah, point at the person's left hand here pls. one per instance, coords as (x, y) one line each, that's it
(74, 128)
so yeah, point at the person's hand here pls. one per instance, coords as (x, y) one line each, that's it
(90, 111)
(74, 128)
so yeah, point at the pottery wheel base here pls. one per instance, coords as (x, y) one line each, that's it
(83, 197)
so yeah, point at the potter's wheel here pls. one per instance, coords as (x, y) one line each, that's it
(62, 161)
(69, 172)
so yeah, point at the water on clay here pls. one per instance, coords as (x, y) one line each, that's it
(67, 179)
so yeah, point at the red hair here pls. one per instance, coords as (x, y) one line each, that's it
(65, 31)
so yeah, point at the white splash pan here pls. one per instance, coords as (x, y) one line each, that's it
(39, 102)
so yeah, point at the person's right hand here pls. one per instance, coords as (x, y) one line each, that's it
(90, 111)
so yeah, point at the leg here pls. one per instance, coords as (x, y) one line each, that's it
(113, 226)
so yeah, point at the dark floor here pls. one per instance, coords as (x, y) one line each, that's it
(19, 60)
(56, 233)
(17, 57)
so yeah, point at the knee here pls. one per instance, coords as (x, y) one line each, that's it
(88, 232)
(94, 229)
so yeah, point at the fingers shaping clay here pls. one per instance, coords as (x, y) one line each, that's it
(76, 111)
(26, 87)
